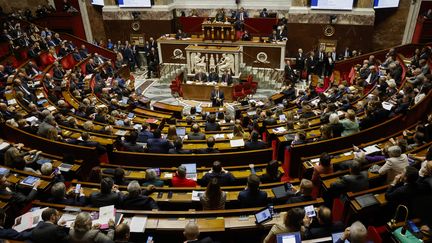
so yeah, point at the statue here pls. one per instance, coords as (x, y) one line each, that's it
(226, 63)
(198, 62)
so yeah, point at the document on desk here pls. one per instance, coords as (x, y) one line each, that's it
(28, 220)
(68, 218)
(237, 143)
(138, 224)
(371, 149)
(196, 195)
(279, 130)
(105, 214)
(121, 132)
(386, 105)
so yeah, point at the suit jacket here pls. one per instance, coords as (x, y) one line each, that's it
(255, 145)
(43, 129)
(248, 199)
(48, 232)
(213, 97)
(11, 234)
(213, 77)
(245, 15)
(141, 202)
(133, 147)
(300, 61)
(212, 126)
(158, 145)
(90, 68)
(299, 198)
(352, 183)
(97, 199)
(227, 78)
(263, 14)
(274, 37)
(204, 240)
(143, 136)
(78, 201)
(207, 151)
(224, 179)
(201, 77)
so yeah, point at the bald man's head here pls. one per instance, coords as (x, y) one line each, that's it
(324, 216)
(191, 231)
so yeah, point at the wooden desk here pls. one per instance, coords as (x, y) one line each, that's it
(218, 31)
(202, 92)
(176, 109)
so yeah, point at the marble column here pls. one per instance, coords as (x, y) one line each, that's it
(86, 21)
(411, 22)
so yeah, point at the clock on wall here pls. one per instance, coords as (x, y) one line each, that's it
(329, 30)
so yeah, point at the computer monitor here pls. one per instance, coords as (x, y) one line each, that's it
(289, 238)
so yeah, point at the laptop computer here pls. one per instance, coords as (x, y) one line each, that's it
(191, 172)
(367, 200)
(181, 131)
(289, 238)
(263, 216)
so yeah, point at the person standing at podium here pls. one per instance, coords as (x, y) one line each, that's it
(217, 96)
(242, 14)
(201, 76)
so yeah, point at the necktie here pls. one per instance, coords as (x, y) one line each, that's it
(241, 16)
(226, 78)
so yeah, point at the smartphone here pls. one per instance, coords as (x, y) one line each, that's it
(56, 171)
(77, 188)
(149, 239)
(170, 194)
(159, 194)
(310, 211)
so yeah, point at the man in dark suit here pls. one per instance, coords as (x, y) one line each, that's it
(304, 194)
(347, 53)
(311, 63)
(274, 36)
(77, 56)
(109, 194)
(213, 76)
(300, 60)
(224, 177)
(191, 233)
(226, 77)
(60, 196)
(83, 52)
(246, 36)
(211, 124)
(322, 226)
(264, 13)
(85, 136)
(130, 143)
(241, 15)
(137, 199)
(252, 196)
(145, 133)
(217, 96)
(289, 72)
(48, 230)
(404, 187)
(254, 143)
(209, 149)
(90, 66)
(201, 76)
(158, 144)
(356, 181)
(178, 148)
(58, 72)
(320, 57)
(196, 134)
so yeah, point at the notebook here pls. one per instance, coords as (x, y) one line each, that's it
(237, 143)
(367, 200)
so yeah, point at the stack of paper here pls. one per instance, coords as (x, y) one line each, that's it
(237, 143)
(105, 214)
(138, 224)
(371, 149)
(279, 129)
(28, 220)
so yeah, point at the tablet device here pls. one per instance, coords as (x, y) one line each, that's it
(131, 115)
(289, 238)
(263, 216)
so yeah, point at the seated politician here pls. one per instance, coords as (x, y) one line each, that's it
(158, 144)
(217, 96)
(201, 76)
(213, 76)
(226, 77)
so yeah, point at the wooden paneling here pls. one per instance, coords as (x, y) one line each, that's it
(121, 29)
(273, 56)
(306, 36)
